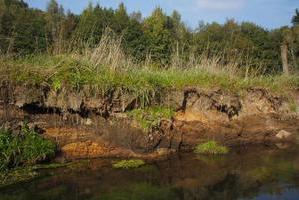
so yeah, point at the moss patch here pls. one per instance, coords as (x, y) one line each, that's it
(211, 147)
(128, 164)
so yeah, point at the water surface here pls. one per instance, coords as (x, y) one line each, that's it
(244, 174)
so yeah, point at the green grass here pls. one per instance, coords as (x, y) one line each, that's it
(211, 147)
(128, 164)
(76, 71)
(150, 117)
(23, 149)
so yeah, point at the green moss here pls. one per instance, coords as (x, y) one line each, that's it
(128, 164)
(150, 117)
(25, 148)
(211, 147)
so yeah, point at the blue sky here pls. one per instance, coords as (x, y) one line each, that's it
(268, 13)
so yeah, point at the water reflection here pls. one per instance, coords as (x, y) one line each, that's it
(253, 173)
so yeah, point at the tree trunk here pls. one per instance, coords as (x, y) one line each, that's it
(284, 58)
(294, 59)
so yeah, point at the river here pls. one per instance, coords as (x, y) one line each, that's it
(251, 173)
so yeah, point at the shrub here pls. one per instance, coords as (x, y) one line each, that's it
(25, 148)
(211, 147)
(128, 164)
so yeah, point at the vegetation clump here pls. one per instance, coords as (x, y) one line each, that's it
(23, 149)
(150, 117)
(128, 164)
(211, 147)
(16, 176)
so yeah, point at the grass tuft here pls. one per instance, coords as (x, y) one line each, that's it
(211, 147)
(148, 118)
(128, 164)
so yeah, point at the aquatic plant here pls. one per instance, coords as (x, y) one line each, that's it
(16, 176)
(128, 164)
(211, 147)
(24, 148)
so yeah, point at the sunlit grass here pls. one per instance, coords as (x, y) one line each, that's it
(211, 147)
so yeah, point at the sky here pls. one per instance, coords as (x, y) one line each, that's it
(267, 13)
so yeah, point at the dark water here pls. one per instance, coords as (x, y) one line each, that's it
(252, 173)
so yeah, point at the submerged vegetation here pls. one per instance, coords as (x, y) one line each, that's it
(16, 176)
(23, 149)
(211, 147)
(128, 164)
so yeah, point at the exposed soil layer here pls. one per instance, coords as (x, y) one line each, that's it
(88, 124)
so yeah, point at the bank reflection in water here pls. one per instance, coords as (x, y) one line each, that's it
(253, 173)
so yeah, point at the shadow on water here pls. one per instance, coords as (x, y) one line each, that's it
(252, 173)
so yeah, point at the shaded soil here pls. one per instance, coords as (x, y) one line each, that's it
(88, 124)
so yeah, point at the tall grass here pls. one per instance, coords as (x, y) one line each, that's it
(105, 66)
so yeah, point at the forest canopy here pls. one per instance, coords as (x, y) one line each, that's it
(25, 31)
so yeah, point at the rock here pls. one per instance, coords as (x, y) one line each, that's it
(87, 149)
(283, 134)
(282, 145)
(163, 151)
(88, 122)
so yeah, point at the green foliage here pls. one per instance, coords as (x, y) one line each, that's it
(150, 117)
(158, 38)
(211, 147)
(295, 19)
(26, 148)
(128, 164)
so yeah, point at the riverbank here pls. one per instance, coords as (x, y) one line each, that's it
(91, 109)
(85, 124)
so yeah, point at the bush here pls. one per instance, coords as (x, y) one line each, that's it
(25, 148)
(211, 147)
(127, 164)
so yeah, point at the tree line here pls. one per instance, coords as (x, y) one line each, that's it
(25, 30)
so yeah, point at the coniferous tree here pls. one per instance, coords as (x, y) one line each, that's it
(295, 19)
(158, 36)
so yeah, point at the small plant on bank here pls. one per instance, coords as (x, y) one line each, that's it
(128, 164)
(211, 147)
(150, 117)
